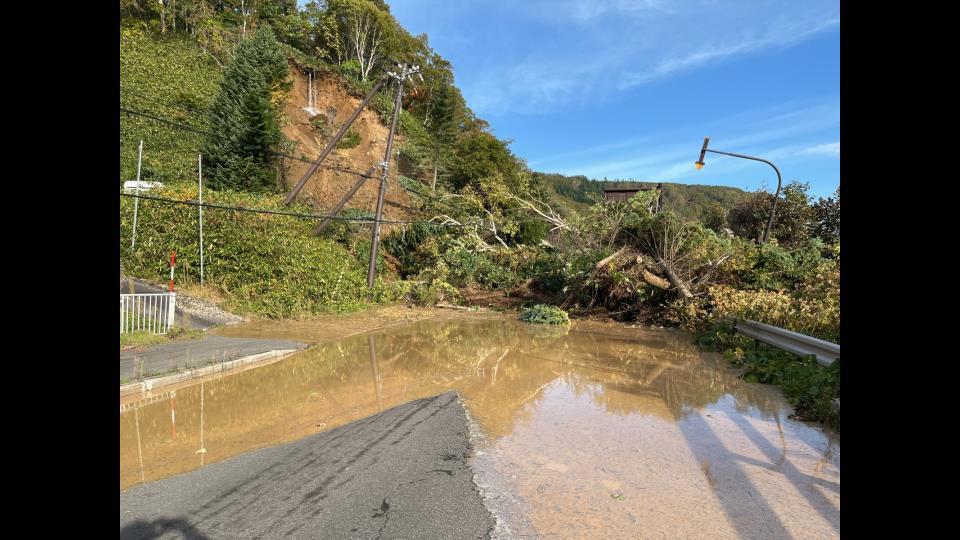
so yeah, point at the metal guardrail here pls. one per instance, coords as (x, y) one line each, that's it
(147, 312)
(790, 341)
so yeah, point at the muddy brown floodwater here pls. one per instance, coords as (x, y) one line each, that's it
(594, 430)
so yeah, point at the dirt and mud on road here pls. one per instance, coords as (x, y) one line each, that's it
(335, 326)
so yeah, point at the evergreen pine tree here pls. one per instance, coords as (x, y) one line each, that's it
(243, 120)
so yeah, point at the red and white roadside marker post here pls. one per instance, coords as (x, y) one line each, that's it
(173, 263)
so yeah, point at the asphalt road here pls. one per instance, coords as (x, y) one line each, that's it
(168, 357)
(180, 318)
(402, 473)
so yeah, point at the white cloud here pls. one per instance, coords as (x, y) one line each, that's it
(829, 149)
(754, 132)
(587, 10)
(782, 34)
(592, 49)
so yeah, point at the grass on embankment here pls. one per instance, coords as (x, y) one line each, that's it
(171, 78)
(267, 265)
(144, 339)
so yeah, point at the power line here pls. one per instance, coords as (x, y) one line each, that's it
(163, 101)
(186, 127)
(285, 213)
(183, 107)
(279, 154)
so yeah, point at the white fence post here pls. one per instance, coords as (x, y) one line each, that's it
(171, 309)
(153, 312)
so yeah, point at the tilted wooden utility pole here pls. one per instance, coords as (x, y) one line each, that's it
(404, 73)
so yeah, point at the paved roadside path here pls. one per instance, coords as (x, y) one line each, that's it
(169, 357)
(402, 473)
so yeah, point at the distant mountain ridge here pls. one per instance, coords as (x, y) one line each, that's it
(690, 201)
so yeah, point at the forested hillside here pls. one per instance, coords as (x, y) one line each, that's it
(690, 201)
(468, 219)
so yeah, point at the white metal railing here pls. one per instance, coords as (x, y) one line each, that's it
(152, 313)
(790, 341)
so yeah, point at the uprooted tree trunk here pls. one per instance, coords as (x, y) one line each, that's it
(666, 241)
(675, 281)
(606, 260)
(654, 279)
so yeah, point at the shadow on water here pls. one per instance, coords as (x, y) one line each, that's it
(799, 480)
(746, 508)
(142, 530)
(592, 394)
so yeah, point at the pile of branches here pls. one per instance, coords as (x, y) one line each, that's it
(660, 260)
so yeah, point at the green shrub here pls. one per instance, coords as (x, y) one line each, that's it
(810, 387)
(351, 69)
(321, 126)
(434, 292)
(544, 314)
(404, 243)
(347, 232)
(393, 291)
(270, 265)
(350, 139)
(531, 232)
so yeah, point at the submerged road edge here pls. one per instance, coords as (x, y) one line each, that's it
(498, 494)
(147, 386)
(401, 473)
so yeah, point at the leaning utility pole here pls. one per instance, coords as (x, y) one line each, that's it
(405, 72)
(333, 142)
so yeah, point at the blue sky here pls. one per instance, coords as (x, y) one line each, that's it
(629, 88)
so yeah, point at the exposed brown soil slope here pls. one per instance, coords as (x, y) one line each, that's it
(326, 187)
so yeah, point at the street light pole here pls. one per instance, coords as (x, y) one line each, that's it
(776, 197)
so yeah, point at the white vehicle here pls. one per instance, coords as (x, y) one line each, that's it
(132, 186)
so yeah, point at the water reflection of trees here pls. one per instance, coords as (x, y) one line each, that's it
(500, 367)
(632, 368)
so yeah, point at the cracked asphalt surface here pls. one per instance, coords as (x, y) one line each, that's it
(402, 473)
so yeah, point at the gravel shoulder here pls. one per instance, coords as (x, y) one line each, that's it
(191, 312)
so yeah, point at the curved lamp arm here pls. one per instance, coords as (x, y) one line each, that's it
(776, 197)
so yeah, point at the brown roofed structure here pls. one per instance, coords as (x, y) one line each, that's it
(623, 194)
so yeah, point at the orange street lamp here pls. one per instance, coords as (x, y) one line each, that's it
(699, 165)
